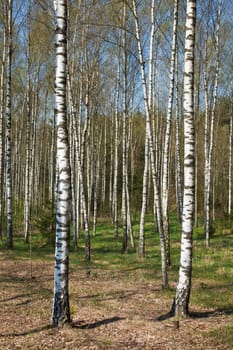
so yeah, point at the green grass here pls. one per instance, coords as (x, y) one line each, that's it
(212, 268)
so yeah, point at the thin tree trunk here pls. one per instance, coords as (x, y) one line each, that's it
(167, 141)
(2, 95)
(141, 244)
(230, 157)
(9, 235)
(97, 146)
(178, 162)
(103, 187)
(124, 168)
(115, 180)
(129, 222)
(28, 133)
(209, 151)
(151, 149)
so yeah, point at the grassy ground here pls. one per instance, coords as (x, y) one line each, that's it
(120, 304)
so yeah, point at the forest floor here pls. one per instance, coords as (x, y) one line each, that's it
(111, 309)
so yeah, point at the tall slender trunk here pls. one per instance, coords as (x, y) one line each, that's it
(151, 150)
(111, 169)
(103, 185)
(72, 164)
(185, 271)
(178, 162)
(230, 157)
(141, 244)
(129, 222)
(124, 116)
(28, 133)
(167, 140)
(209, 150)
(115, 179)
(61, 307)
(2, 98)
(9, 242)
(97, 147)
(81, 205)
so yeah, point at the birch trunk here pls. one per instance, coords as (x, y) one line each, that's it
(151, 150)
(28, 135)
(124, 167)
(178, 162)
(185, 271)
(97, 147)
(141, 244)
(9, 242)
(167, 141)
(209, 151)
(2, 94)
(230, 157)
(80, 194)
(129, 222)
(115, 180)
(103, 187)
(61, 308)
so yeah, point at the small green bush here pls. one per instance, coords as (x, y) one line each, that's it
(45, 225)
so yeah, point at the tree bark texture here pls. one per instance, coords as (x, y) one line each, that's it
(61, 308)
(185, 271)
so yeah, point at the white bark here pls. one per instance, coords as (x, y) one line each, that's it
(151, 150)
(124, 117)
(115, 175)
(185, 270)
(141, 244)
(97, 147)
(61, 309)
(8, 128)
(2, 94)
(210, 136)
(103, 187)
(167, 141)
(230, 158)
(28, 134)
(178, 162)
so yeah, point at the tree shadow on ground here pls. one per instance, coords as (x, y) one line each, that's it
(30, 331)
(15, 297)
(196, 314)
(80, 325)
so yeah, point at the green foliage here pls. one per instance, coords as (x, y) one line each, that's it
(45, 226)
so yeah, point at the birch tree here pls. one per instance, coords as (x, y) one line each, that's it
(167, 140)
(28, 133)
(141, 245)
(148, 138)
(61, 308)
(230, 156)
(116, 146)
(124, 168)
(8, 127)
(2, 94)
(209, 129)
(185, 271)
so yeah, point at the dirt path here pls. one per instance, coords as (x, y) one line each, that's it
(110, 310)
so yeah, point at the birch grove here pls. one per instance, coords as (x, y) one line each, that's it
(119, 151)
